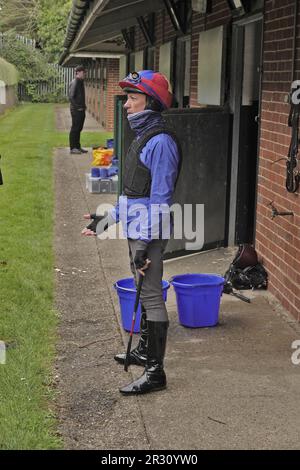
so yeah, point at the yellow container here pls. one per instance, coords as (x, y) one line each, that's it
(102, 156)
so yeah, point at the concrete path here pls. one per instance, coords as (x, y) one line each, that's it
(229, 387)
(63, 120)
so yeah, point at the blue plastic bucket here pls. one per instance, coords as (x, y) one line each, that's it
(110, 143)
(198, 299)
(113, 170)
(95, 172)
(103, 172)
(127, 291)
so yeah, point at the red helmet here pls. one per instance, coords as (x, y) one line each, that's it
(150, 83)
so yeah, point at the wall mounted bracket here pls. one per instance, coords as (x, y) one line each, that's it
(276, 213)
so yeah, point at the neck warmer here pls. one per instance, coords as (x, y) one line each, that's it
(144, 121)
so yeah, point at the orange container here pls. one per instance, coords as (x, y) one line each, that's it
(102, 156)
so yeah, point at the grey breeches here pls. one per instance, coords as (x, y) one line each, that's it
(152, 294)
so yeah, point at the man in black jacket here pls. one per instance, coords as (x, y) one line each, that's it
(77, 107)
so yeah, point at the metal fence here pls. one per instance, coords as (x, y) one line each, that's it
(20, 38)
(27, 41)
(58, 85)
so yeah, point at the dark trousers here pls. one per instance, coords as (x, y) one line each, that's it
(78, 118)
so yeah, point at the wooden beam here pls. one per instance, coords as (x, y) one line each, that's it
(148, 35)
(174, 15)
(129, 40)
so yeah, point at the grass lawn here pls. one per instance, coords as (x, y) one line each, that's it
(27, 317)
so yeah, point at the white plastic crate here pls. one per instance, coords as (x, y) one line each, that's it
(101, 185)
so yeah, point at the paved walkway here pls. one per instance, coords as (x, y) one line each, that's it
(229, 387)
(63, 120)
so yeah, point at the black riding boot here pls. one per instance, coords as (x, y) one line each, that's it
(154, 377)
(138, 356)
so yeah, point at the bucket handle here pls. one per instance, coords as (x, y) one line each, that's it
(171, 280)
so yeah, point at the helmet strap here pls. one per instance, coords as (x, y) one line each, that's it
(153, 104)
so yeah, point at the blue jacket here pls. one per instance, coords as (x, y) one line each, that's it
(161, 156)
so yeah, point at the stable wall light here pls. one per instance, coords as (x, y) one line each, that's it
(239, 6)
(201, 6)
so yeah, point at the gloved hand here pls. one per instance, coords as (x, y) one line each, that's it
(97, 226)
(96, 219)
(141, 255)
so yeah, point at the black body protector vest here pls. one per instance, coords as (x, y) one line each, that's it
(137, 177)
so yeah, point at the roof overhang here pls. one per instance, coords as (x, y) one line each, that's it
(75, 58)
(99, 28)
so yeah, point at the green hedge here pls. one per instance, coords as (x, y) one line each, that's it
(8, 73)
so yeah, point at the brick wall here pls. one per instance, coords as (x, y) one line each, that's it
(112, 90)
(103, 109)
(140, 42)
(278, 240)
(90, 97)
(101, 106)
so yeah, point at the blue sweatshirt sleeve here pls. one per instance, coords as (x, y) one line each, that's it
(115, 213)
(161, 157)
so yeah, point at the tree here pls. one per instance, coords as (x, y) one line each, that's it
(30, 62)
(51, 26)
(33, 68)
(42, 20)
(20, 15)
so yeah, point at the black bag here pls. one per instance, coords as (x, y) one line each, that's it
(253, 277)
(242, 277)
